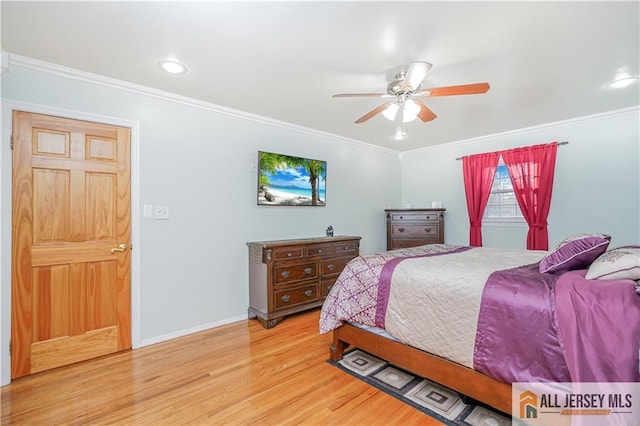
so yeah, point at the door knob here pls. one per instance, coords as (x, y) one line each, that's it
(121, 248)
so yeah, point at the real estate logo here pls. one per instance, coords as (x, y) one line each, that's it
(591, 404)
(528, 405)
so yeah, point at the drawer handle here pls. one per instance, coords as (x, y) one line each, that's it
(308, 293)
(289, 254)
(331, 267)
(427, 229)
(401, 217)
(286, 298)
(285, 274)
(307, 271)
(400, 229)
(319, 251)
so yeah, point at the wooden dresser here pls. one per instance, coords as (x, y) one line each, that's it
(414, 227)
(289, 276)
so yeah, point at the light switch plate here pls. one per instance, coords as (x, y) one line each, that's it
(161, 212)
(147, 210)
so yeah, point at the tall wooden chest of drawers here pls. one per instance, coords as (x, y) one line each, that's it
(289, 276)
(414, 227)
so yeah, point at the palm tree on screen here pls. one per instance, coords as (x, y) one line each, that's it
(270, 163)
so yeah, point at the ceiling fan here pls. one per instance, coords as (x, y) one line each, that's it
(405, 89)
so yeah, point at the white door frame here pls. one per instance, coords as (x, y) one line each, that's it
(8, 106)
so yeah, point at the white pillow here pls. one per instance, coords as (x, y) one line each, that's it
(616, 264)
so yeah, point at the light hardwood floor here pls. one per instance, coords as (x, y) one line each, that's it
(235, 374)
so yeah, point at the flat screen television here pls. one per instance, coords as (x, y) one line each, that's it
(284, 180)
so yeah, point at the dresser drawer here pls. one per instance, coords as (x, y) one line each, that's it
(416, 217)
(396, 244)
(288, 253)
(332, 267)
(285, 274)
(326, 287)
(296, 296)
(319, 251)
(414, 227)
(415, 231)
(346, 248)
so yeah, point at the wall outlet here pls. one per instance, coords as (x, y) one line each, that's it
(161, 212)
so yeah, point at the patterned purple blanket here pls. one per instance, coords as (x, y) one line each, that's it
(354, 296)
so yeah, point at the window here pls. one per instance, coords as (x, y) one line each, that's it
(502, 200)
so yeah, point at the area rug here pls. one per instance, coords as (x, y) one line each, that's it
(429, 397)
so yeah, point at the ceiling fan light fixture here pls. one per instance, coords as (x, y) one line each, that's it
(391, 111)
(410, 111)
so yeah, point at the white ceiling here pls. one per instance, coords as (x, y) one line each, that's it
(545, 61)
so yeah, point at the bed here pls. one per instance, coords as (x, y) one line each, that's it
(477, 319)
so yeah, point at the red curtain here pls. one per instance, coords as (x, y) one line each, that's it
(531, 170)
(478, 171)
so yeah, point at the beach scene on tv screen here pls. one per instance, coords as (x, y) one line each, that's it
(284, 180)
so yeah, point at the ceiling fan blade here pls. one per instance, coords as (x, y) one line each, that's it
(372, 113)
(415, 74)
(425, 113)
(360, 95)
(464, 89)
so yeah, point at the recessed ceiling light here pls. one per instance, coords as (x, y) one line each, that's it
(622, 82)
(172, 67)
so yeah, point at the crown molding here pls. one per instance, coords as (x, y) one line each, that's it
(11, 59)
(523, 130)
(4, 61)
(72, 73)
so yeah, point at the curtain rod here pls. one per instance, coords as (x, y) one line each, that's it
(559, 143)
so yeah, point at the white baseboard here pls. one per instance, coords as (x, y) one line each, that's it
(187, 331)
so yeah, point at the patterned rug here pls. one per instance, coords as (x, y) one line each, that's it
(431, 398)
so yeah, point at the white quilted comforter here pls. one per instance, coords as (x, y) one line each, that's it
(433, 299)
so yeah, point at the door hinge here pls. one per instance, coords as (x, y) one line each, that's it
(11, 142)
(10, 347)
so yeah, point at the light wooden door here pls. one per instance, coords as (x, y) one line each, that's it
(71, 208)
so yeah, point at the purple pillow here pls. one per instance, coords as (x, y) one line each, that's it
(575, 252)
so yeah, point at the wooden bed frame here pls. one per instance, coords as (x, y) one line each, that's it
(455, 376)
